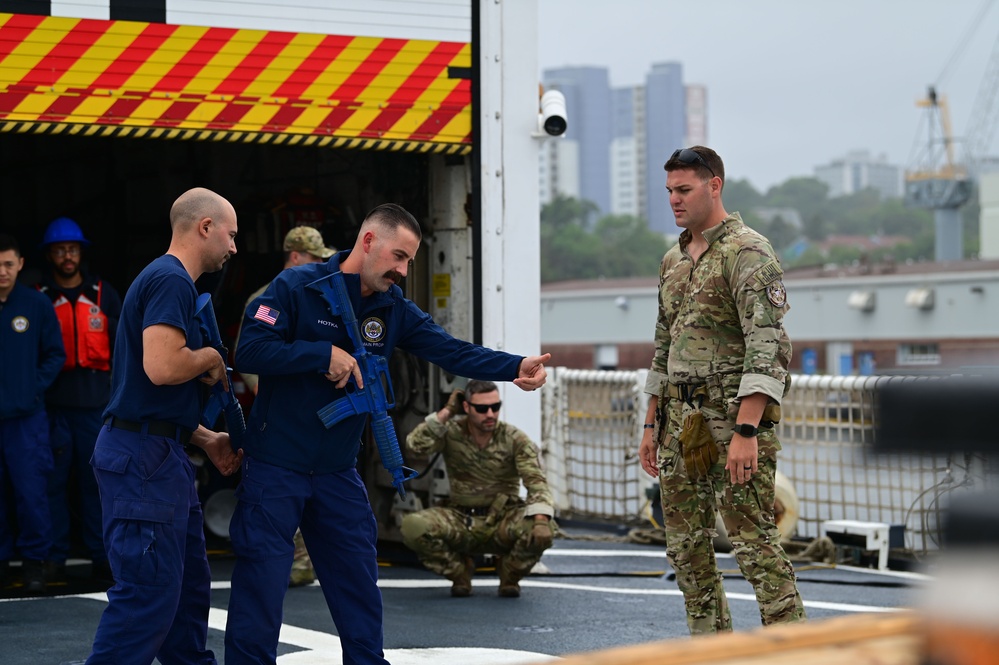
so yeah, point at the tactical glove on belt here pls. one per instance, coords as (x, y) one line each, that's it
(698, 447)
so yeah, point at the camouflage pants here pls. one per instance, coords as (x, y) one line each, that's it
(302, 571)
(689, 509)
(444, 537)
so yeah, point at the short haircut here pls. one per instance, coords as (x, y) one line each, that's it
(194, 205)
(710, 158)
(393, 216)
(475, 387)
(9, 242)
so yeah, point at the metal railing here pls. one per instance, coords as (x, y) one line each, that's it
(592, 424)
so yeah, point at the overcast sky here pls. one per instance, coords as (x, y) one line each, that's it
(791, 83)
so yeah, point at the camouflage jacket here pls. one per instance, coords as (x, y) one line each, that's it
(478, 476)
(722, 318)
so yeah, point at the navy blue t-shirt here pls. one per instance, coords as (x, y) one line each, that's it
(163, 293)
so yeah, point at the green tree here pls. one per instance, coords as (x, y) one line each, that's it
(617, 246)
(631, 249)
(740, 195)
(812, 256)
(806, 195)
(564, 211)
(569, 253)
(815, 227)
(893, 218)
(781, 234)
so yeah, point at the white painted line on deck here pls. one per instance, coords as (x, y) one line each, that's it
(320, 648)
(324, 649)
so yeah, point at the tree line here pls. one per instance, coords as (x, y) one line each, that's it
(578, 243)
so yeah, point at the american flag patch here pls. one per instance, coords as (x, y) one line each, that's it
(266, 314)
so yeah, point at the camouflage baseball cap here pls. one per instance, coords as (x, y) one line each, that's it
(307, 239)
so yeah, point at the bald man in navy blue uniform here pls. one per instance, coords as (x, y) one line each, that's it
(153, 525)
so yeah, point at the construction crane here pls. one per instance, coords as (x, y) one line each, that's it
(937, 181)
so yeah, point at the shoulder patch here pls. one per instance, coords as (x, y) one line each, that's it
(776, 294)
(768, 273)
(266, 314)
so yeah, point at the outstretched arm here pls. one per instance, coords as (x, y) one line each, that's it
(532, 372)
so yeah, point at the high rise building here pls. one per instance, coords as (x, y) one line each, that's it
(665, 131)
(857, 171)
(588, 102)
(627, 155)
(618, 139)
(559, 170)
(697, 115)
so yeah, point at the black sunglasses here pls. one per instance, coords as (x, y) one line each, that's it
(688, 156)
(483, 408)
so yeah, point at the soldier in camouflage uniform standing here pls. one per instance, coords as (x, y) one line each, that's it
(716, 382)
(486, 461)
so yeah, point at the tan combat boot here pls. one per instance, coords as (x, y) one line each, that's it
(461, 586)
(509, 586)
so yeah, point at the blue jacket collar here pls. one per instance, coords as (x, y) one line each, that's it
(353, 282)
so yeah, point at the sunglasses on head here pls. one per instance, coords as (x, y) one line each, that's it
(483, 408)
(688, 156)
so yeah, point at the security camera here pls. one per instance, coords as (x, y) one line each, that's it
(553, 114)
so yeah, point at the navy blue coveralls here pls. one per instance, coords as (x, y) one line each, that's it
(298, 473)
(75, 403)
(31, 355)
(153, 525)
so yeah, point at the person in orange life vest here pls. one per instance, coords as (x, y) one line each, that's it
(88, 309)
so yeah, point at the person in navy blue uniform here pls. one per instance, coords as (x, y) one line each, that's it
(88, 309)
(298, 473)
(153, 524)
(31, 355)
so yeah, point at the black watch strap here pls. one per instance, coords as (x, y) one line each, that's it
(747, 430)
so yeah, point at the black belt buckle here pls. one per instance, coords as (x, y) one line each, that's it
(687, 391)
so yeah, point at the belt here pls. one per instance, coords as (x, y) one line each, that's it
(473, 511)
(685, 391)
(154, 427)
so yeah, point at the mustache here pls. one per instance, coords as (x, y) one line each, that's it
(394, 276)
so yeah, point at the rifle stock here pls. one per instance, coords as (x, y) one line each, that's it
(220, 401)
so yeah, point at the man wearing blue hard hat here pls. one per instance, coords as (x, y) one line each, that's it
(88, 309)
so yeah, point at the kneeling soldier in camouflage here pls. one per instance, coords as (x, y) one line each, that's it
(486, 461)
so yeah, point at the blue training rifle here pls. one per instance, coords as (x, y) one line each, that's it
(220, 401)
(376, 397)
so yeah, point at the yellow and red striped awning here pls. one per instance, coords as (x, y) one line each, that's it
(93, 77)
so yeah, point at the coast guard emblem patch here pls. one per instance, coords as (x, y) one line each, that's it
(373, 330)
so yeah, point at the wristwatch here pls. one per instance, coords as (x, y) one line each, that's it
(746, 430)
